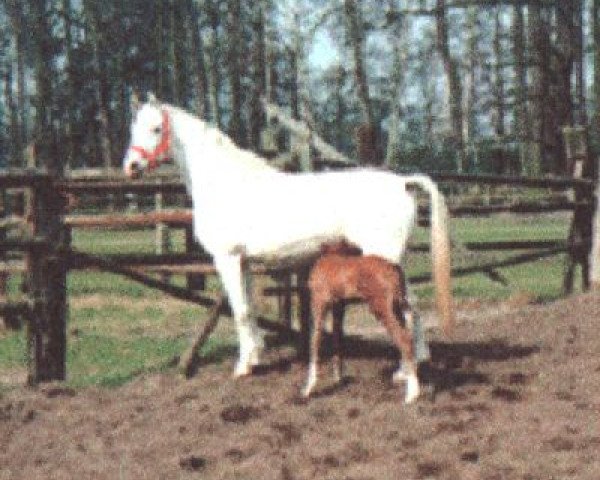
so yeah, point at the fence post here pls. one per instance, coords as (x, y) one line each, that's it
(162, 232)
(195, 281)
(594, 256)
(46, 275)
(576, 149)
(304, 314)
(4, 275)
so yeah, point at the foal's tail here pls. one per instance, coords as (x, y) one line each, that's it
(440, 250)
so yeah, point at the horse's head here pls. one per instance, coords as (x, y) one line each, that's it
(150, 143)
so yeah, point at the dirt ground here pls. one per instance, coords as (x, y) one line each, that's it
(514, 396)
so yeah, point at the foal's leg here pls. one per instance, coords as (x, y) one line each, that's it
(318, 310)
(403, 340)
(339, 309)
(230, 271)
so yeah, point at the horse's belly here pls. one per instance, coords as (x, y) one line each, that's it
(301, 248)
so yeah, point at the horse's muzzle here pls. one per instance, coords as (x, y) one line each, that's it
(133, 170)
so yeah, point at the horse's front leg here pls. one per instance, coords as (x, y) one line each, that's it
(233, 278)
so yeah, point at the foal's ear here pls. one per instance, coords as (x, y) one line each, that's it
(152, 100)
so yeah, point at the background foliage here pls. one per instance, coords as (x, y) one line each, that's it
(468, 85)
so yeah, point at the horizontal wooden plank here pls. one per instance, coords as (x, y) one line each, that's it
(15, 308)
(24, 245)
(103, 187)
(174, 218)
(23, 178)
(531, 182)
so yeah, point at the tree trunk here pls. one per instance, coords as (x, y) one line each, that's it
(70, 100)
(580, 114)
(45, 141)
(595, 20)
(19, 130)
(176, 70)
(259, 72)
(214, 78)
(471, 81)
(563, 63)
(499, 117)
(540, 61)
(160, 49)
(200, 79)
(234, 53)
(99, 83)
(15, 146)
(397, 80)
(522, 121)
(453, 85)
(340, 107)
(367, 133)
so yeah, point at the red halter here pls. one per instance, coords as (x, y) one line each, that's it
(160, 154)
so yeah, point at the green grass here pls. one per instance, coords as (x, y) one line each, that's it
(118, 329)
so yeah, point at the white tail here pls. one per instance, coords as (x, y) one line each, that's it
(440, 250)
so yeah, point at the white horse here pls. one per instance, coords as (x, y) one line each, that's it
(244, 208)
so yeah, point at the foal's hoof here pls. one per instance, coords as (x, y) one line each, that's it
(242, 370)
(399, 376)
(412, 389)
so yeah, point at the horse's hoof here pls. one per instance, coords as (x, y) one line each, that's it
(255, 357)
(242, 370)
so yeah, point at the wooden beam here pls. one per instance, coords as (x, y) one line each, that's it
(594, 255)
(76, 258)
(104, 187)
(173, 218)
(188, 361)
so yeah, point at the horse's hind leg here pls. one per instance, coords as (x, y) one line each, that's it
(339, 309)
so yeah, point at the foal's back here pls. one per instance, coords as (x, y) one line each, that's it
(341, 273)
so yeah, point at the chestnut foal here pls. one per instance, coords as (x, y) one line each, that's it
(343, 273)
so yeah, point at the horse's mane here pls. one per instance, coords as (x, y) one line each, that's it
(212, 134)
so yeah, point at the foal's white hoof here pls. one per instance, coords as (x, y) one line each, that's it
(412, 389)
(399, 376)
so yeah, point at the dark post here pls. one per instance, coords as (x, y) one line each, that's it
(47, 273)
(580, 232)
(285, 309)
(195, 281)
(304, 311)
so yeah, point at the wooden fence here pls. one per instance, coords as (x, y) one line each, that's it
(48, 254)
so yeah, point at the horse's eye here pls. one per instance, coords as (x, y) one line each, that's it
(157, 130)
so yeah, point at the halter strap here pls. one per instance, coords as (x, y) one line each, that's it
(160, 154)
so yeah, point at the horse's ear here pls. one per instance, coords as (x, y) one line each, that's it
(134, 103)
(152, 98)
